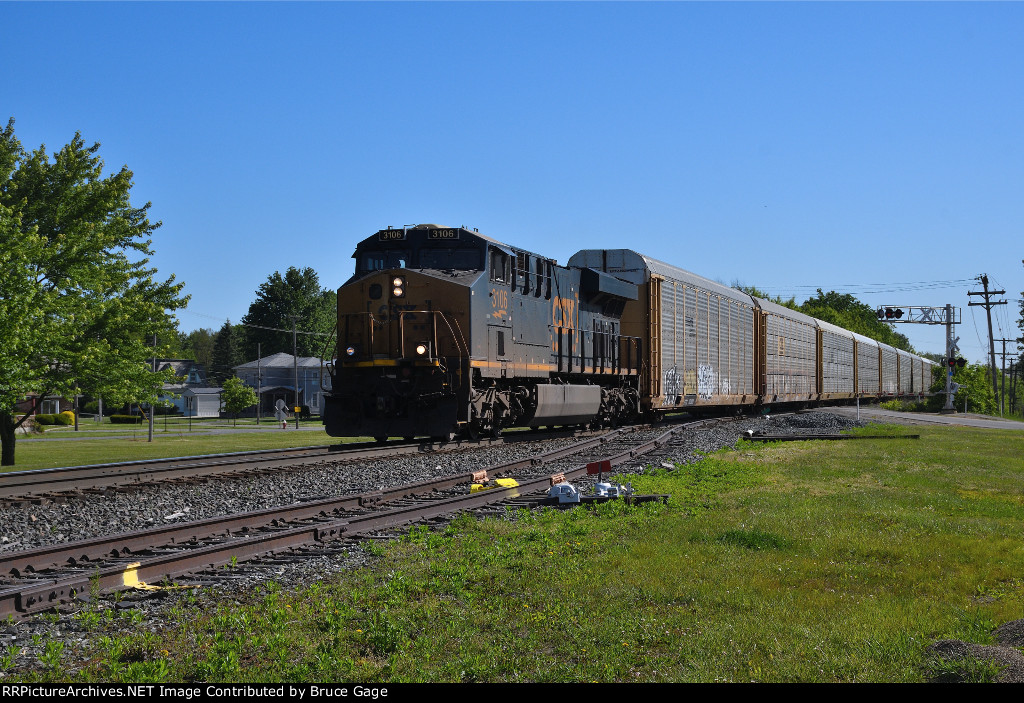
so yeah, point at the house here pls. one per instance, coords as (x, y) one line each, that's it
(193, 398)
(192, 372)
(273, 378)
(51, 405)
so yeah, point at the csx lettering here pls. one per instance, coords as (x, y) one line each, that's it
(563, 312)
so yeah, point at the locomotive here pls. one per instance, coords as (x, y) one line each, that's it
(444, 331)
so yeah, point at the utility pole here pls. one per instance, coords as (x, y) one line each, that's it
(986, 293)
(151, 404)
(295, 368)
(259, 380)
(1002, 378)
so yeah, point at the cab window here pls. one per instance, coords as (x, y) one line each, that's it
(450, 259)
(499, 266)
(381, 260)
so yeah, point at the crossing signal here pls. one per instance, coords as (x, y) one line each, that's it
(961, 362)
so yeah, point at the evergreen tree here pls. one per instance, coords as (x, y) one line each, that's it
(296, 295)
(227, 353)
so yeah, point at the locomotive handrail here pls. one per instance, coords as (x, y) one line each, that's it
(460, 342)
(330, 364)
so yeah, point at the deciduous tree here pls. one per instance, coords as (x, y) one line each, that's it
(79, 304)
(237, 396)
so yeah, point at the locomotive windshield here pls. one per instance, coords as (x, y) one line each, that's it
(381, 260)
(455, 259)
(421, 247)
(441, 258)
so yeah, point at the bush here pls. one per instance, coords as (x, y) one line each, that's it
(126, 419)
(65, 418)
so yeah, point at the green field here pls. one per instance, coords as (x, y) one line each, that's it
(828, 561)
(96, 443)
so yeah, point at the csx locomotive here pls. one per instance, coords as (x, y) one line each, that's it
(444, 331)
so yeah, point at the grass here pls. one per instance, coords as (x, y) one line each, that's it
(51, 450)
(787, 562)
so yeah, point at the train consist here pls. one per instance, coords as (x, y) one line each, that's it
(444, 331)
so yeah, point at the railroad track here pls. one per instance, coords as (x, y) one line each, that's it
(65, 483)
(43, 578)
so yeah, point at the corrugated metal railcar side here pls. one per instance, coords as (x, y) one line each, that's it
(927, 374)
(869, 380)
(789, 364)
(836, 371)
(905, 372)
(890, 379)
(699, 334)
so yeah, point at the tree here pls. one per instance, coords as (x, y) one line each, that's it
(227, 352)
(296, 294)
(199, 343)
(237, 396)
(849, 313)
(975, 388)
(78, 303)
(758, 293)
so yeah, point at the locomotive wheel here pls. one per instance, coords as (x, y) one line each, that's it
(381, 440)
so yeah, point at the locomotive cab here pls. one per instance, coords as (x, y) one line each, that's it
(401, 366)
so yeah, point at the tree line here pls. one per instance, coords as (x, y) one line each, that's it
(295, 297)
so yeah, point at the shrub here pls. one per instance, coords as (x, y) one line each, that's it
(126, 419)
(66, 418)
(46, 419)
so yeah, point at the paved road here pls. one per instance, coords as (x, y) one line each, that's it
(961, 419)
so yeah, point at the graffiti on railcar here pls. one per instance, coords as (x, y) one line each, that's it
(706, 378)
(673, 387)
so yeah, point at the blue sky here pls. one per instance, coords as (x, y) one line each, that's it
(871, 148)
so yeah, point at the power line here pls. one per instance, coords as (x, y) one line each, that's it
(259, 327)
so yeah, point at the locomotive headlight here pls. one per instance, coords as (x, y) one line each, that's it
(397, 287)
(351, 351)
(422, 348)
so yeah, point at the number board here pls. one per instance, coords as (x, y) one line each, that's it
(444, 234)
(390, 235)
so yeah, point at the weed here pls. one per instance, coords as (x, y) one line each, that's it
(8, 659)
(90, 619)
(51, 655)
(383, 635)
(962, 670)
